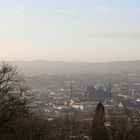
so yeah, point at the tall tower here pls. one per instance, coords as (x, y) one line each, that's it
(86, 92)
(108, 87)
(71, 90)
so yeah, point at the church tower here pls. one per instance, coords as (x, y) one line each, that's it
(108, 87)
(71, 90)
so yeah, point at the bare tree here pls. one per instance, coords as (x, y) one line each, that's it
(125, 126)
(12, 102)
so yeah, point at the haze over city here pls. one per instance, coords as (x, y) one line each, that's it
(70, 30)
(69, 69)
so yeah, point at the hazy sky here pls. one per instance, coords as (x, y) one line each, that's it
(70, 30)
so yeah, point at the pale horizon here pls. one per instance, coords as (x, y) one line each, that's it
(67, 61)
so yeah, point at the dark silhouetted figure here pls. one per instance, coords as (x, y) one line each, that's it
(99, 131)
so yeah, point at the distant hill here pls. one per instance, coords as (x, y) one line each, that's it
(59, 67)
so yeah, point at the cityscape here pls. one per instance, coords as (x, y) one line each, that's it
(70, 70)
(71, 100)
(55, 95)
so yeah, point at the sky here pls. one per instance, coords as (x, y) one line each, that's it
(70, 30)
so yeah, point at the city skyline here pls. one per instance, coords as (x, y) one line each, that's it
(70, 30)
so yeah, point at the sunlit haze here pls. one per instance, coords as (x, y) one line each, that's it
(70, 30)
